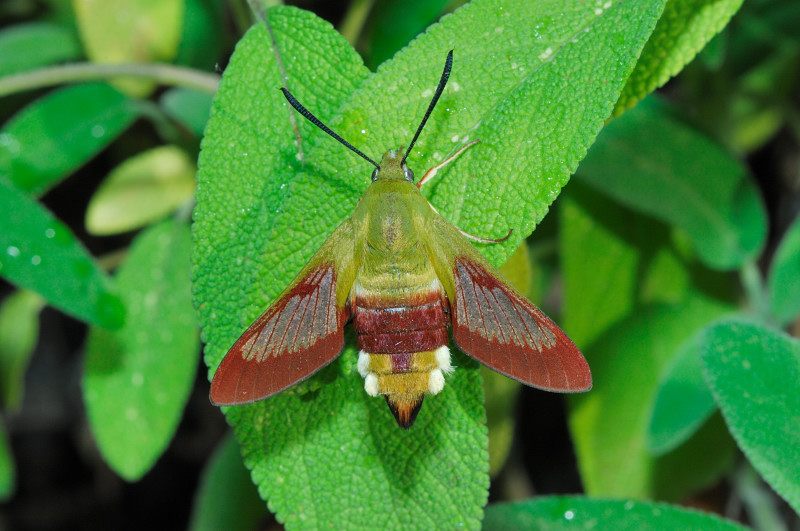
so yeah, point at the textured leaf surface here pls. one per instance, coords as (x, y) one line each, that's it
(58, 133)
(784, 277)
(653, 163)
(28, 46)
(265, 203)
(120, 31)
(753, 372)
(137, 379)
(141, 190)
(7, 468)
(19, 330)
(226, 498)
(684, 28)
(626, 363)
(40, 253)
(571, 512)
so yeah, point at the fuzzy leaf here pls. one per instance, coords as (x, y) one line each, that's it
(40, 253)
(143, 189)
(121, 31)
(226, 498)
(137, 379)
(626, 363)
(753, 372)
(53, 136)
(784, 277)
(653, 163)
(573, 512)
(684, 28)
(28, 46)
(19, 330)
(266, 202)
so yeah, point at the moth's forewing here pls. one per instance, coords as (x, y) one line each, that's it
(496, 325)
(298, 335)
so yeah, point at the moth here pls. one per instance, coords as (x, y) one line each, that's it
(403, 275)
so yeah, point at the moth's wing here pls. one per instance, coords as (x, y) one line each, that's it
(496, 325)
(298, 335)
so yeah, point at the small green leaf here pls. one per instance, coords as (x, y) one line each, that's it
(53, 136)
(653, 163)
(265, 205)
(783, 280)
(684, 28)
(573, 512)
(137, 379)
(40, 253)
(626, 362)
(19, 330)
(7, 468)
(28, 46)
(753, 372)
(120, 31)
(189, 107)
(141, 190)
(684, 401)
(226, 498)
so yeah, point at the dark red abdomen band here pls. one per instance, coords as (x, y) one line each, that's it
(384, 330)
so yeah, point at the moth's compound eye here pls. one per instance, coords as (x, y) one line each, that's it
(375, 174)
(408, 174)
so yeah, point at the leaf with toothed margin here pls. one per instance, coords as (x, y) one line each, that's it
(271, 187)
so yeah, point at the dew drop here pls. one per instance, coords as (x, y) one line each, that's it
(137, 379)
(36, 259)
(98, 131)
(50, 233)
(12, 251)
(569, 515)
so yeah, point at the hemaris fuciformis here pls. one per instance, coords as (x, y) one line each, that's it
(403, 274)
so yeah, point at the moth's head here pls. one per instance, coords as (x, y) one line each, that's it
(393, 168)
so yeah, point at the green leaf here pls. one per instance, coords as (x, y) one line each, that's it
(28, 46)
(202, 38)
(189, 107)
(684, 28)
(631, 253)
(626, 363)
(683, 401)
(265, 205)
(143, 189)
(653, 163)
(40, 253)
(19, 330)
(7, 468)
(753, 372)
(137, 379)
(226, 498)
(53, 136)
(574, 512)
(120, 31)
(783, 280)
(395, 24)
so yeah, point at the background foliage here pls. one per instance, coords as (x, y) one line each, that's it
(672, 258)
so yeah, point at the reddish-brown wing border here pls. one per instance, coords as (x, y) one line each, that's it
(297, 336)
(501, 329)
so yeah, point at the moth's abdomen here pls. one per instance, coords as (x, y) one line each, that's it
(403, 350)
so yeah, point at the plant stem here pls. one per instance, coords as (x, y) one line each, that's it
(756, 498)
(754, 289)
(163, 74)
(354, 19)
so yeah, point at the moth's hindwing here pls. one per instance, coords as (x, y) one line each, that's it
(298, 335)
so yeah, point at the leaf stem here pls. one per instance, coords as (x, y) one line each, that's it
(354, 19)
(164, 74)
(754, 289)
(760, 506)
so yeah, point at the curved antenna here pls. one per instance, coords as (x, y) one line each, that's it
(314, 120)
(448, 64)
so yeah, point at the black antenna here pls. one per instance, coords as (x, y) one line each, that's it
(448, 64)
(314, 120)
